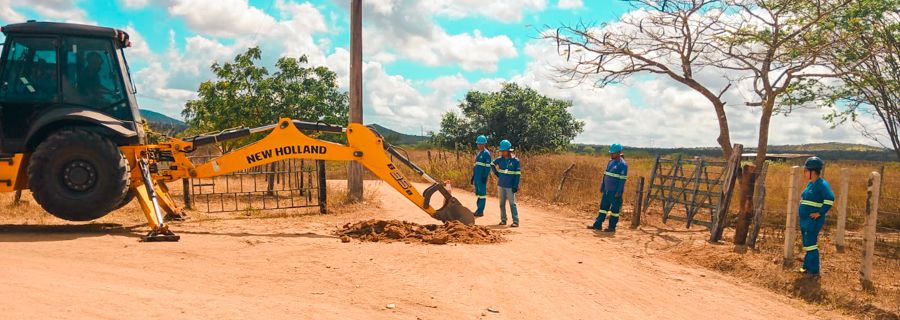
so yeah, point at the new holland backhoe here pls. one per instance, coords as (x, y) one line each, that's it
(70, 131)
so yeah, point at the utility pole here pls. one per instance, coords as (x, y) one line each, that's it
(354, 169)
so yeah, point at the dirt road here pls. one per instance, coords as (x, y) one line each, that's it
(294, 268)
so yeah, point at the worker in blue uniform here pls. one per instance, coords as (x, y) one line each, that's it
(508, 171)
(815, 201)
(612, 187)
(480, 173)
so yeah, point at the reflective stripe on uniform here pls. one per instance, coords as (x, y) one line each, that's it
(482, 197)
(509, 171)
(828, 202)
(616, 175)
(483, 164)
(811, 248)
(614, 214)
(603, 211)
(811, 203)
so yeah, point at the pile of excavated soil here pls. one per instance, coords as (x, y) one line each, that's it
(393, 230)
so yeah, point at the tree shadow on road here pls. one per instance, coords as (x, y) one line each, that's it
(40, 233)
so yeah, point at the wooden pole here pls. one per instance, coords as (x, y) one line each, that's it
(638, 201)
(323, 187)
(186, 190)
(650, 186)
(562, 181)
(791, 216)
(745, 212)
(759, 202)
(17, 198)
(842, 210)
(354, 169)
(865, 272)
(730, 174)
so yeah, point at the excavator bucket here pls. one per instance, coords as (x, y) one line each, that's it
(455, 211)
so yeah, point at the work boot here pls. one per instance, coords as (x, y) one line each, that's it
(592, 228)
(514, 225)
(608, 230)
(502, 223)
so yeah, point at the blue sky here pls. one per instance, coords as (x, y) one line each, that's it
(420, 59)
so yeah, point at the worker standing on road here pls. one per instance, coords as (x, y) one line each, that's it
(612, 186)
(815, 201)
(508, 171)
(480, 173)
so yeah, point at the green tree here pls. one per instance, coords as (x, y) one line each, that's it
(527, 119)
(246, 95)
(868, 65)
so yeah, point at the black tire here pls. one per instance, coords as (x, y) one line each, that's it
(129, 195)
(78, 175)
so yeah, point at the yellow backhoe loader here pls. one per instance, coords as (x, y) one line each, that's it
(70, 131)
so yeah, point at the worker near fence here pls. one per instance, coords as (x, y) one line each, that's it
(815, 201)
(611, 187)
(480, 173)
(508, 171)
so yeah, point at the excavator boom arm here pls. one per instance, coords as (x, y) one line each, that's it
(286, 141)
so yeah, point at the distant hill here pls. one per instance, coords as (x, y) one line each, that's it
(394, 137)
(828, 151)
(163, 123)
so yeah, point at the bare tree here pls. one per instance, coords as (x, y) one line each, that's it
(773, 45)
(670, 38)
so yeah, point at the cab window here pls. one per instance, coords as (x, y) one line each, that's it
(30, 74)
(90, 77)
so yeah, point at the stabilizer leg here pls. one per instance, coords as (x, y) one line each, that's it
(147, 196)
(173, 211)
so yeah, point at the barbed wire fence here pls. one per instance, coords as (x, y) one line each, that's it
(575, 183)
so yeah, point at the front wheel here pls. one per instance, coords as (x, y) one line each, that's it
(78, 175)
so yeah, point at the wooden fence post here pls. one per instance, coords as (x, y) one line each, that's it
(650, 186)
(639, 194)
(323, 186)
(759, 202)
(747, 185)
(718, 220)
(791, 216)
(562, 181)
(186, 191)
(865, 272)
(842, 210)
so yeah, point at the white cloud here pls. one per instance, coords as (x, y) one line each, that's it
(570, 4)
(406, 28)
(54, 10)
(8, 14)
(501, 10)
(657, 111)
(224, 18)
(134, 4)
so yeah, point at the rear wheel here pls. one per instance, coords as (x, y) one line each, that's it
(78, 175)
(129, 195)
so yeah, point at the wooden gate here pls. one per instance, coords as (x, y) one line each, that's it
(696, 184)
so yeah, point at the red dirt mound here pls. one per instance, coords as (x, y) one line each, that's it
(394, 230)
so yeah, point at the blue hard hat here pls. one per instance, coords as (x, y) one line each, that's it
(814, 163)
(481, 140)
(615, 148)
(505, 145)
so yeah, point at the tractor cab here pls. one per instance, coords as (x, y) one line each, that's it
(55, 75)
